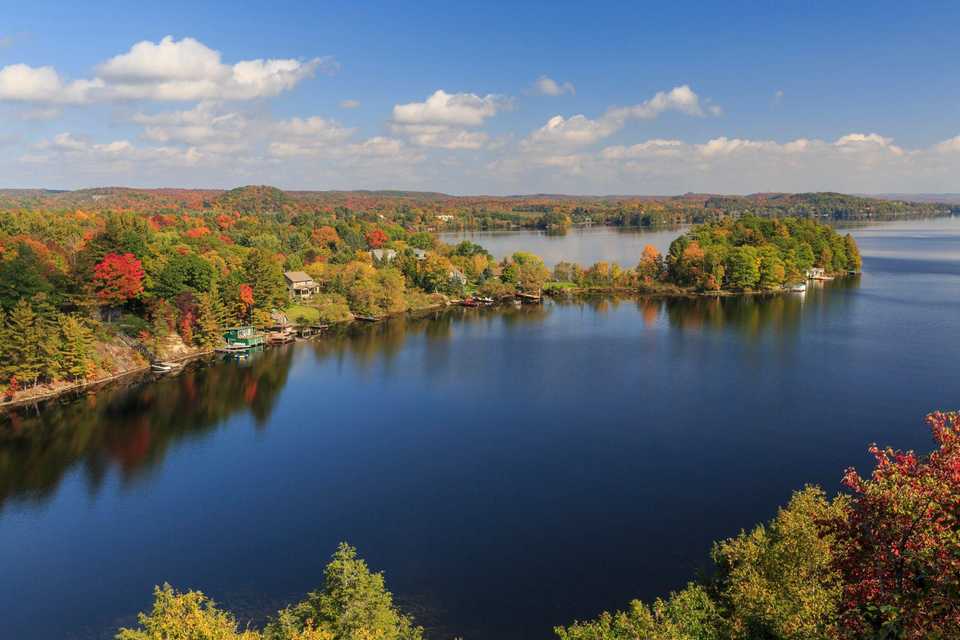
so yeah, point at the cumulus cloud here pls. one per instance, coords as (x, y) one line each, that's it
(580, 130)
(169, 70)
(443, 119)
(23, 83)
(306, 136)
(117, 155)
(464, 109)
(546, 86)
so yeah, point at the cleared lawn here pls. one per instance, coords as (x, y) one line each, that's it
(297, 311)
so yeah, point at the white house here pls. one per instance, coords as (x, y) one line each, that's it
(383, 255)
(300, 285)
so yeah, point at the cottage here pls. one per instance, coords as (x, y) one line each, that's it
(420, 254)
(383, 255)
(816, 273)
(244, 337)
(300, 285)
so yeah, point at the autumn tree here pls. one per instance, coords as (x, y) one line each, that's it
(530, 272)
(898, 542)
(689, 614)
(651, 264)
(118, 278)
(743, 270)
(376, 238)
(778, 580)
(185, 616)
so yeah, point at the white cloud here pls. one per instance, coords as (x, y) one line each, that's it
(580, 130)
(441, 136)
(949, 146)
(306, 136)
(100, 158)
(575, 130)
(205, 127)
(23, 83)
(171, 70)
(443, 119)
(464, 109)
(349, 104)
(546, 86)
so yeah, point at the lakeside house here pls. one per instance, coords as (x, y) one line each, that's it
(383, 255)
(243, 337)
(816, 273)
(300, 285)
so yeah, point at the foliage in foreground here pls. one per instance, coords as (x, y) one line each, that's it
(353, 604)
(882, 563)
(879, 563)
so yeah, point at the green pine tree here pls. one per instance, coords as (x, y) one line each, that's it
(24, 358)
(77, 347)
(49, 347)
(209, 329)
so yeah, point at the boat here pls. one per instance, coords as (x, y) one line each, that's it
(485, 301)
(469, 302)
(529, 297)
(799, 287)
(165, 367)
(367, 318)
(241, 338)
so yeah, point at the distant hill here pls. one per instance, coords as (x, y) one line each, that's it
(425, 207)
(945, 198)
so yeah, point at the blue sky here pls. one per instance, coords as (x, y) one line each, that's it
(481, 98)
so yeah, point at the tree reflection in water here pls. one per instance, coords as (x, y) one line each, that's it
(131, 428)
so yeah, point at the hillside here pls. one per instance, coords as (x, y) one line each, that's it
(422, 209)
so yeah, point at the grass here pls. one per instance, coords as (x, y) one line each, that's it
(297, 311)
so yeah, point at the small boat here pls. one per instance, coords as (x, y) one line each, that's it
(367, 318)
(799, 287)
(485, 301)
(165, 367)
(469, 302)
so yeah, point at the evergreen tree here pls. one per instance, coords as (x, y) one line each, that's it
(264, 275)
(24, 358)
(76, 347)
(22, 277)
(209, 328)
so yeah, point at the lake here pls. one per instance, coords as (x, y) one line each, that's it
(509, 469)
(583, 245)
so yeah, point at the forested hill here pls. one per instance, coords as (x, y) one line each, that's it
(438, 210)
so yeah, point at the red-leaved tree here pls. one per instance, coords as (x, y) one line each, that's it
(898, 548)
(376, 238)
(118, 278)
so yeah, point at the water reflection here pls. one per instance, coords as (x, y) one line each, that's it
(131, 429)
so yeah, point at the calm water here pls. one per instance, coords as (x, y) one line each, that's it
(583, 245)
(510, 469)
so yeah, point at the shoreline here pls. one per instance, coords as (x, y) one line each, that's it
(144, 371)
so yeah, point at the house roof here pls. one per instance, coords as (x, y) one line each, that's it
(297, 276)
